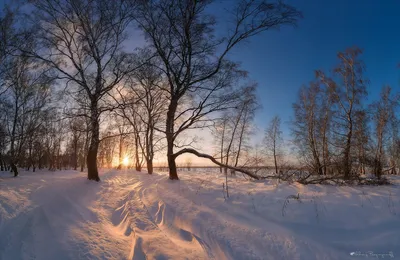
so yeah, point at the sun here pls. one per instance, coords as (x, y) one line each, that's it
(125, 161)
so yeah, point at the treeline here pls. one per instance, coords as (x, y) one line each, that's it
(74, 92)
(336, 132)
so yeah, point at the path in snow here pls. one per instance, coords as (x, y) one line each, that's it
(130, 215)
(63, 216)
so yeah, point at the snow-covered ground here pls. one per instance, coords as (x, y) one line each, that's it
(131, 215)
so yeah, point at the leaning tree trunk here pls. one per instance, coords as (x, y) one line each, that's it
(202, 155)
(91, 159)
(173, 174)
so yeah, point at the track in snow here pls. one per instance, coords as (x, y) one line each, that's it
(67, 217)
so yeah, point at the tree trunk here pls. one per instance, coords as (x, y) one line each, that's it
(378, 157)
(91, 159)
(346, 161)
(120, 159)
(85, 149)
(1, 163)
(325, 151)
(75, 153)
(275, 162)
(173, 174)
(317, 162)
(138, 163)
(149, 164)
(14, 169)
(222, 144)
(232, 138)
(241, 138)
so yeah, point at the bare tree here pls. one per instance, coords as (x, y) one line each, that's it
(76, 140)
(328, 117)
(362, 139)
(26, 96)
(235, 126)
(305, 129)
(122, 135)
(220, 132)
(143, 105)
(383, 112)
(349, 92)
(9, 42)
(82, 42)
(273, 140)
(193, 60)
(324, 115)
(250, 105)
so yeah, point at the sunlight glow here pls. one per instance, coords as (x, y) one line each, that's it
(125, 161)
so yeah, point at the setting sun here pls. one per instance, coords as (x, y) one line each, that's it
(125, 161)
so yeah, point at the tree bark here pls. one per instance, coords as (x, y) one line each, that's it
(137, 159)
(149, 164)
(91, 159)
(173, 174)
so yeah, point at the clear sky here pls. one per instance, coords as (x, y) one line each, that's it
(281, 61)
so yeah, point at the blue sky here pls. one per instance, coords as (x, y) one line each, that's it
(281, 61)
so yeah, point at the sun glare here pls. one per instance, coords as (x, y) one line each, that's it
(125, 161)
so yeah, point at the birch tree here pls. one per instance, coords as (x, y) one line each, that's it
(305, 129)
(273, 140)
(349, 92)
(383, 114)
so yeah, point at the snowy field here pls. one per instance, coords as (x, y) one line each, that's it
(131, 215)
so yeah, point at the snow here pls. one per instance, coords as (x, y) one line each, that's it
(132, 215)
